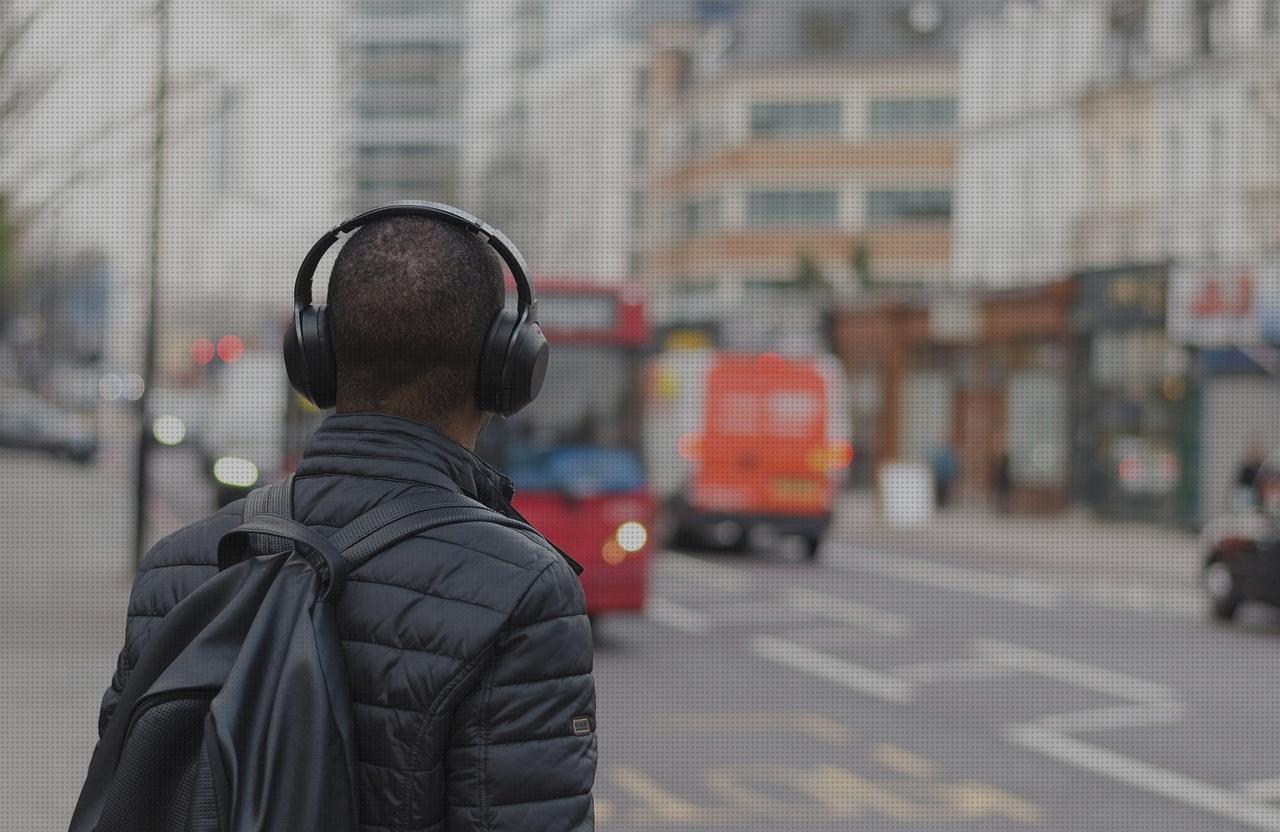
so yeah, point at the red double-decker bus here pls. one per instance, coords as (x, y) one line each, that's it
(575, 453)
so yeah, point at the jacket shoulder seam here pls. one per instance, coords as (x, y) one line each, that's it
(425, 593)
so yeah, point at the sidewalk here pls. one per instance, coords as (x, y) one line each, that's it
(61, 623)
(1075, 544)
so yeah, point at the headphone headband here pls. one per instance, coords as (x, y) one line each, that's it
(527, 302)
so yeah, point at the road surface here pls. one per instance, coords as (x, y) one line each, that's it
(874, 690)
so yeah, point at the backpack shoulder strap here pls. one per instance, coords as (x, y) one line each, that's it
(274, 500)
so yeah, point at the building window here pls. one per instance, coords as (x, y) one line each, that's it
(792, 207)
(888, 207)
(378, 101)
(409, 62)
(911, 115)
(822, 31)
(795, 118)
(407, 8)
(639, 148)
(377, 152)
(701, 215)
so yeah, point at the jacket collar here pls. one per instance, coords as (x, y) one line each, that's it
(391, 447)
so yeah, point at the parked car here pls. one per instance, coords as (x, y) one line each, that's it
(1242, 561)
(28, 421)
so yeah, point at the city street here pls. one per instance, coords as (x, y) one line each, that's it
(873, 690)
(882, 691)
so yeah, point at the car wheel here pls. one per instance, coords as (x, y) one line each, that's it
(1224, 596)
(814, 544)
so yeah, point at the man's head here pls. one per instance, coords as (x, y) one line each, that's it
(410, 302)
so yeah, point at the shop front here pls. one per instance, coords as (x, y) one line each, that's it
(1230, 315)
(1134, 399)
(974, 386)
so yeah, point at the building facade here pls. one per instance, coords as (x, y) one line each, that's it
(797, 143)
(404, 88)
(1132, 147)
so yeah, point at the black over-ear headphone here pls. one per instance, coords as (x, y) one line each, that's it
(513, 362)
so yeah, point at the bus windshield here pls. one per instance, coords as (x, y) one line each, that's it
(581, 435)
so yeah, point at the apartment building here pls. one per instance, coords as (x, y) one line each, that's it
(807, 142)
(404, 84)
(1098, 132)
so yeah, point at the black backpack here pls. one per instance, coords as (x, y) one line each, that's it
(236, 717)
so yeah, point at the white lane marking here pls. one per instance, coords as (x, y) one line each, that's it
(849, 613)
(832, 669)
(1266, 790)
(951, 670)
(1136, 597)
(1025, 590)
(1142, 775)
(1076, 673)
(676, 617)
(1028, 592)
(705, 572)
(1114, 719)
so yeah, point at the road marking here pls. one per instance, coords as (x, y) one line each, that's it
(1114, 719)
(902, 761)
(815, 726)
(1142, 775)
(1076, 673)
(677, 617)
(1027, 592)
(824, 666)
(1024, 590)
(1265, 790)
(662, 803)
(951, 670)
(849, 613)
(705, 572)
(1143, 598)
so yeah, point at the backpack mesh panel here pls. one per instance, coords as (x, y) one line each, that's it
(163, 782)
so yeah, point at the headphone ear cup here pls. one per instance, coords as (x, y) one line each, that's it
(492, 359)
(525, 371)
(309, 358)
(322, 361)
(294, 363)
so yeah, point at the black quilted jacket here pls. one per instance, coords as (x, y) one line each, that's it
(468, 648)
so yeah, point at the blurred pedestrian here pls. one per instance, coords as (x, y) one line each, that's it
(946, 468)
(1245, 493)
(1002, 481)
(467, 650)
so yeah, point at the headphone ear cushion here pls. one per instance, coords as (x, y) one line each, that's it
(492, 359)
(525, 371)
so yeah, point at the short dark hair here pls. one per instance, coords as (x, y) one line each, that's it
(411, 300)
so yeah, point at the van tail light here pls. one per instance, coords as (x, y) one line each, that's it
(833, 456)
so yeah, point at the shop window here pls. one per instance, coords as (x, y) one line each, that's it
(1036, 431)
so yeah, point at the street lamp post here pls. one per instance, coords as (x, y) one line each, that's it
(162, 10)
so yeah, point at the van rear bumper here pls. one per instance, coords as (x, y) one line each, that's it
(734, 528)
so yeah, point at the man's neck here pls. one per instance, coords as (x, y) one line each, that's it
(463, 428)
